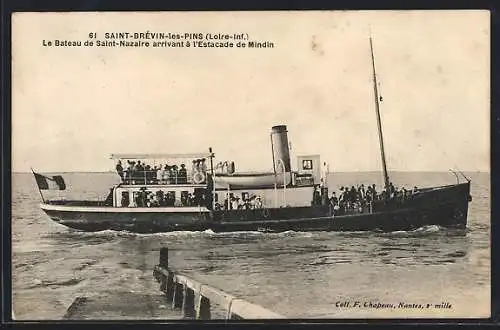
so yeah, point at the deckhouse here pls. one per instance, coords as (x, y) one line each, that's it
(163, 180)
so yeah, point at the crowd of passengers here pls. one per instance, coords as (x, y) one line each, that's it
(246, 202)
(360, 199)
(142, 173)
(145, 198)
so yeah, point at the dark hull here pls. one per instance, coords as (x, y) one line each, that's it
(445, 207)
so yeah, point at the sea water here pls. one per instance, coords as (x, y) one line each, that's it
(296, 274)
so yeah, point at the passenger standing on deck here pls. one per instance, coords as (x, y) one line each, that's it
(150, 174)
(133, 200)
(374, 192)
(163, 172)
(182, 174)
(160, 198)
(234, 203)
(159, 174)
(241, 204)
(203, 166)
(194, 168)
(147, 173)
(175, 174)
(139, 168)
(369, 199)
(144, 196)
(362, 191)
(168, 174)
(392, 191)
(138, 198)
(353, 194)
(131, 172)
(154, 201)
(252, 202)
(316, 200)
(403, 195)
(258, 203)
(334, 200)
(119, 169)
(333, 203)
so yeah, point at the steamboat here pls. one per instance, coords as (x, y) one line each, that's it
(195, 192)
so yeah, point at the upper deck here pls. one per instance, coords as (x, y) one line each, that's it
(162, 169)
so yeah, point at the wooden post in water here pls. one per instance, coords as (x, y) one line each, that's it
(169, 292)
(164, 257)
(178, 298)
(203, 312)
(163, 283)
(188, 310)
(184, 294)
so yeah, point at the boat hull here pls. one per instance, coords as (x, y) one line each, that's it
(400, 220)
(444, 207)
(130, 219)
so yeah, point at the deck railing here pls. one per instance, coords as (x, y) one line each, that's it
(153, 177)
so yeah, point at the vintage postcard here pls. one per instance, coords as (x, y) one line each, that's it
(251, 165)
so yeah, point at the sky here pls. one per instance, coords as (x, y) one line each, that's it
(74, 106)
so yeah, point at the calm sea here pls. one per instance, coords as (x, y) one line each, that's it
(297, 274)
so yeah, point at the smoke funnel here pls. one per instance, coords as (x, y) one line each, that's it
(281, 149)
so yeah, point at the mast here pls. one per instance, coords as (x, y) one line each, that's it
(379, 125)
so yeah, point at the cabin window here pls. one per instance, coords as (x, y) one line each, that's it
(135, 199)
(170, 198)
(125, 200)
(185, 198)
(160, 196)
(307, 164)
(199, 197)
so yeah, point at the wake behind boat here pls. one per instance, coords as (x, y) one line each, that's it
(170, 192)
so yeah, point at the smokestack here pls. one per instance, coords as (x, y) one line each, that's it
(280, 148)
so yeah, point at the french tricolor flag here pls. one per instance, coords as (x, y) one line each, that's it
(55, 182)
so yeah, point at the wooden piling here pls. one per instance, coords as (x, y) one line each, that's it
(178, 297)
(169, 290)
(164, 257)
(188, 310)
(163, 283)
(203, 312)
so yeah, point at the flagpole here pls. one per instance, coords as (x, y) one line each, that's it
(41, 195)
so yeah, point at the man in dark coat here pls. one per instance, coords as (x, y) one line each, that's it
(182, 174)
(119, 169)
